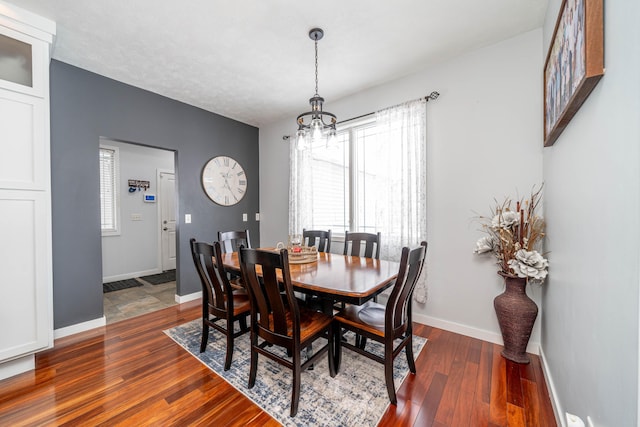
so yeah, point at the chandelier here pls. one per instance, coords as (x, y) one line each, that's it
(320, 124)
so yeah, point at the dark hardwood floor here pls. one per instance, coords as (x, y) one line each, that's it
(131, 373)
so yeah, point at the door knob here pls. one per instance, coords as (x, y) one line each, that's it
(164, 228)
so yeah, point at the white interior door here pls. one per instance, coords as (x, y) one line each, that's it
(167, 200)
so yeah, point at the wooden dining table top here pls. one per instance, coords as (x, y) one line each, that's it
(343, 278)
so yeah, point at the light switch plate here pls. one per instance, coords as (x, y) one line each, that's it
(257, 216)
(244, 217)
(187, 218)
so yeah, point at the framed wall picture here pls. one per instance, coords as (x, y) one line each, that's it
(574, 64)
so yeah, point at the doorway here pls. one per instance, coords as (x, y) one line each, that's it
(139, 253)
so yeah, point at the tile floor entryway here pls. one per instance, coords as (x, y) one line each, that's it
(132, 302)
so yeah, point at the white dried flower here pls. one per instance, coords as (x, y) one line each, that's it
(529, 264)
(485, 244)
(506, 219)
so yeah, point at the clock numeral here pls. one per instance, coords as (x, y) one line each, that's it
(226, 161)
(217, 161)
(240, 173)
(242, 182)
(226, 200)
(240, 190)
(234, 165)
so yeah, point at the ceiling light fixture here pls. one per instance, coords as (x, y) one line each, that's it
(316, 128)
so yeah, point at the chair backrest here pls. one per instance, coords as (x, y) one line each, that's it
(232, 240)
(371, 244)
(319, 238)
(215, 284)
(270, 309)
(398, 310)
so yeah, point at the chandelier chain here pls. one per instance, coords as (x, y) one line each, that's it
(316, 43)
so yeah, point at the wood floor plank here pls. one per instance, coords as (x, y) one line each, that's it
(514, 385)
(131, 373)
(454, 382)
(498, 403)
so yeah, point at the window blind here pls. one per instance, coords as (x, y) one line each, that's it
(108, 189)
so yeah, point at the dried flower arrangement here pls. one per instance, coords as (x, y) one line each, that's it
(513, 236)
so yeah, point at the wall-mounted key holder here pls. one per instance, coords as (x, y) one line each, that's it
(136, 184)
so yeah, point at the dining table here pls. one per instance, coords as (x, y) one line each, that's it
(335, 278)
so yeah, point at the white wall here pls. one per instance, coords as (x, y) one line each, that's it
(592, 175)
(484, 140)
(134, 252)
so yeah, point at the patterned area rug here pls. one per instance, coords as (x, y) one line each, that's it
(357, 396)
(120, 284)
(158, 279)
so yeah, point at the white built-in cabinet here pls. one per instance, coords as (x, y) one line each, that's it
(26, 300)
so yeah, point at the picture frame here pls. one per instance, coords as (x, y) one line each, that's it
(574, 63)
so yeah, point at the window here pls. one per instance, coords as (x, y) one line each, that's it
(109, 197)
(375, 181)
(340, 172)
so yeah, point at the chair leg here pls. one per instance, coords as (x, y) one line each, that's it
(227, 360)
(409, 351)
(254, 360)
(243, 323)
(388, 376)
(205, 336)
(332, 361)
(337, 343)
(295, 394)
(361, 342)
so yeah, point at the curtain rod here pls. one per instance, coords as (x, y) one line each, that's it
(431, 97)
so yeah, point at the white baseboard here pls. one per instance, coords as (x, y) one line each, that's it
(131, 275)
(189, 297)
(481, 334)
(553, 395)
(17, 366)
(79, 327)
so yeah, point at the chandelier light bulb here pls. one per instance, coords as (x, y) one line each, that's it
(301, 140)
(332, 139)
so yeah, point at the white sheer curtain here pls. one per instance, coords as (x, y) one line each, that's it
(393, 178)
(401, 195)
(300, 188)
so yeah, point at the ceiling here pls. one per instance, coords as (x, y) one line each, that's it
(252, 60)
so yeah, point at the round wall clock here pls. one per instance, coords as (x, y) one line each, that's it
(224, 180)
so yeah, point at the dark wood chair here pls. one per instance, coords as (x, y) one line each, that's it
(319, 238)
(386, 324)
(277, 319)
(232, 240)
(218, 297)
(353, 244)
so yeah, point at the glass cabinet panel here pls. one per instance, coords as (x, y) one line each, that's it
(15, 61)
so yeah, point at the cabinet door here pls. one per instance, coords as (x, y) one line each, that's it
(23, 148)
(22, 63)
(25, 279)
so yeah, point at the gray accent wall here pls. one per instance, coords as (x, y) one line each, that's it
(86, 106)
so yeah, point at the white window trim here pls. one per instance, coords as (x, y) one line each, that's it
(116, 191)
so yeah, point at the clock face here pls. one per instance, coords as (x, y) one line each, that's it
(224, 180)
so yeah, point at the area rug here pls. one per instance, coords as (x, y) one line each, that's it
(158, 279)
(120, 284)
(357, 396)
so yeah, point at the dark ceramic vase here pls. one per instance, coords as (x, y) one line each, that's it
(516, 315)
